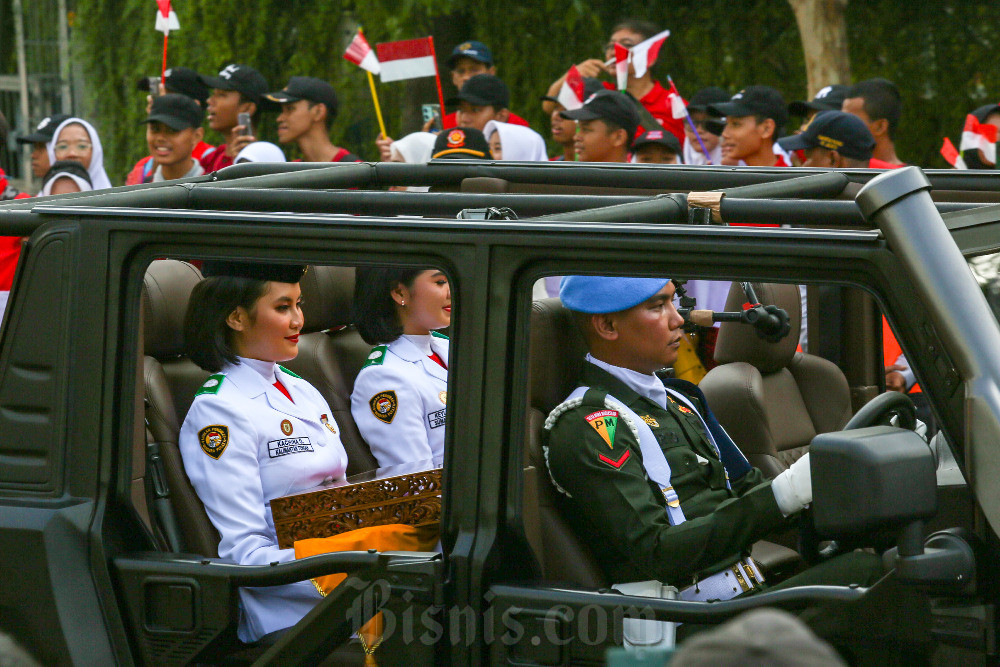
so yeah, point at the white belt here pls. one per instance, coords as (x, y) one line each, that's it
(741, 578)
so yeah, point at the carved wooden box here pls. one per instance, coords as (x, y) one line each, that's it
(403, 494)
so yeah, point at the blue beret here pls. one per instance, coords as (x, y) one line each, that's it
(602, 294)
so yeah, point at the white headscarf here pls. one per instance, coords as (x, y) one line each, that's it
(518, 142)
(260, 151)
(80, 182)
(96, 169)
(415, 148)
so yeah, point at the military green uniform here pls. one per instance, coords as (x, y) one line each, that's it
(621, 513)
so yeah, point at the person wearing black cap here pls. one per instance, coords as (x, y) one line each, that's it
(564, 129)
(833, 140)
(237, 89)
(606, 122)
(38, 139)
(827, 98)
(173, 129)
(255, 430)
(754, 119)
(878, 103)
(461, 143)
(183, 81)
(656, 146)
(467, 60)
(706, 128)
(308, 107)
(482, 98)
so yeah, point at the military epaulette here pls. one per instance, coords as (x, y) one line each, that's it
(212, 385)
(377, 356)
(289, 372)
(438, 334)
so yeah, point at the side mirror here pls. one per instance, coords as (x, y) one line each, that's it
(872, 479)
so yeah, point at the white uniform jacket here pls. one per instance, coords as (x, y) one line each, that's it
(399, 400)
(244, 443)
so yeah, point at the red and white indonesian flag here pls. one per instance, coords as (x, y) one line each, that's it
(976, 135)
(407, 59)
(572, 90)
(621, 65)
(645, 53)
(677, 107)
(951, 155)
(166, 18)
(359, 53)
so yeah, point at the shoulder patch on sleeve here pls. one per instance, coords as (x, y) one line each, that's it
(383, 405)
(212, 385)
(289, 372)
(438, 334)
(214, 439)
(377, 356)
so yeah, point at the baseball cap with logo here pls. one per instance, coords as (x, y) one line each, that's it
(658, 136)
(242, 78)
(44, 130)
(829, 98)
(608, 105)
(181, 80)
(306, 88)
(176, 111)
(472, 49)
(836, 131)
(461, 143)
(484, 90)
(754, 101)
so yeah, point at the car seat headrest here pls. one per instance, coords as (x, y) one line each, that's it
(556, 354)
(740, 342)
(327, 296)
(166, 290)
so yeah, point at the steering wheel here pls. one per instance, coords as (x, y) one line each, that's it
(881, 409)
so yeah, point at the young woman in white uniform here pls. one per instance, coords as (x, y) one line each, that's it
(400, 394)
(255, 431)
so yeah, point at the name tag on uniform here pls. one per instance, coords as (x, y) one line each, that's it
(435, 419)
(286, 446)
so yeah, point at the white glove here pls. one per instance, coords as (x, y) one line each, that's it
(793, 488)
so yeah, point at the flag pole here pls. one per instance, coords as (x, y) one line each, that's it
(687, 114)
(437, 78)
(163, 69)
(378, 109)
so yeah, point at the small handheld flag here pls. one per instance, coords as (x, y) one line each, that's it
(982, 136)
(645, 53)
(361, 54)
(621, 65)
(166, 20)
(406, 59)
(571, 92)
(951, 155)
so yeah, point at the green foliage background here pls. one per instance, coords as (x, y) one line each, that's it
(938, 53)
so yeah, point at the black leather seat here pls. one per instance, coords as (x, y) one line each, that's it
(170, 381)
(331, 352)
(772, 399)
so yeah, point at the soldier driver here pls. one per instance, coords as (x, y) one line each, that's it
(648, 477)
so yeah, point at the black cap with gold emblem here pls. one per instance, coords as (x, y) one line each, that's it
(279, 273)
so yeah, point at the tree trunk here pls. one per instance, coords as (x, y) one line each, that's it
(824, 41)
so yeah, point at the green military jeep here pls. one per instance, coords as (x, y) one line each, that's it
(110, 559)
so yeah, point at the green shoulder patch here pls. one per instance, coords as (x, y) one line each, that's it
(438, 334)
(289, 372)
(377, 356)
(212, 385)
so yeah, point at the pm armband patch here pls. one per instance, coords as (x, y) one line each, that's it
(214, 439)
(605, 422)
(383, 405)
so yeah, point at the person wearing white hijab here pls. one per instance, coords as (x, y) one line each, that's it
(415, 148)
(95, 168)
(81, 183)
(260, 151)
(516, 142)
